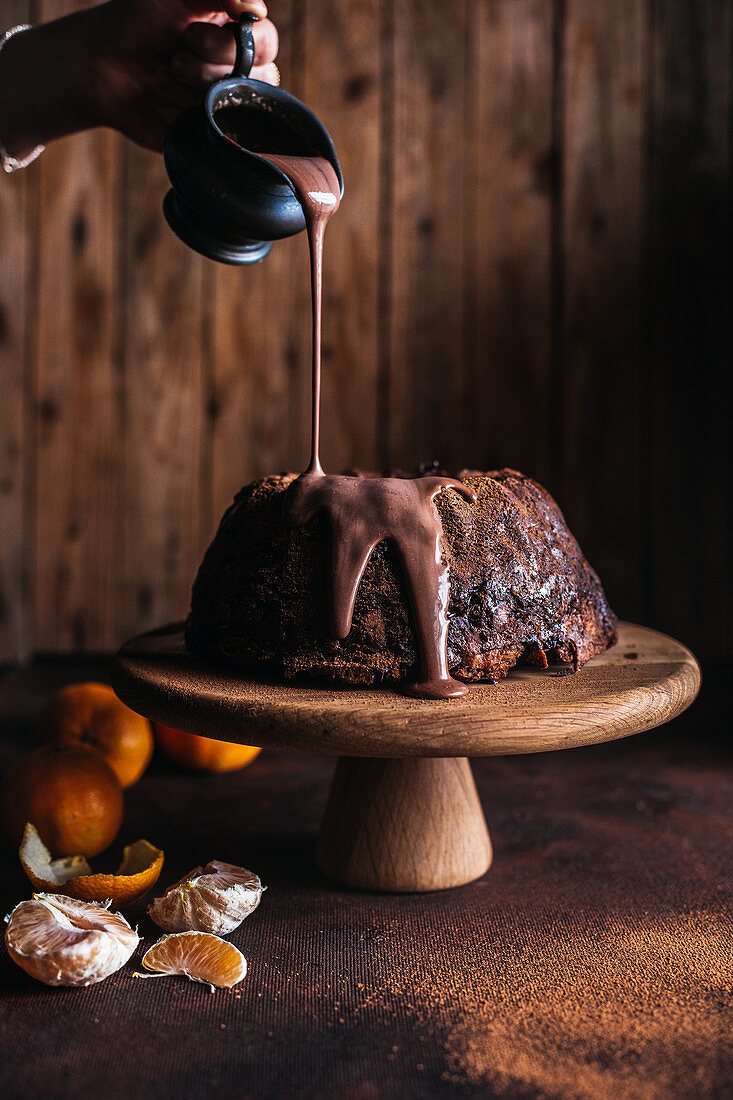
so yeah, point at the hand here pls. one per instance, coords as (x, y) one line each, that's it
(133, 65)
(157, 57)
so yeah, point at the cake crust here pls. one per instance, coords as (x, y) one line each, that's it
(521, 590)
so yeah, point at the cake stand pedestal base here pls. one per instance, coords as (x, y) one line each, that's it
(403, 813)
(410, 825)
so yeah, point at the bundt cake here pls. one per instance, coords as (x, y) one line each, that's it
(519, 589)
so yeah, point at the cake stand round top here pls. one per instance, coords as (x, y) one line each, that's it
(645, 680)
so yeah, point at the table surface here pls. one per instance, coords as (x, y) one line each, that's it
(644, 680)
(592, 960)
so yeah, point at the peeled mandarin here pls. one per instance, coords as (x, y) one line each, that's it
(63, 941)
(215, 898)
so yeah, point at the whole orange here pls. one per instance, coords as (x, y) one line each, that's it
(69, 793)
(202, 753)
(91, 714)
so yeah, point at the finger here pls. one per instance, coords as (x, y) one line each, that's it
(176, 94)
(216, 44)
(270, 74)
(233, 8)
(189, 70)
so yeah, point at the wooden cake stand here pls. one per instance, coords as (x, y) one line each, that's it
(403, 812)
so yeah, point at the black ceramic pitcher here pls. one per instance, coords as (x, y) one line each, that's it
(226, 202)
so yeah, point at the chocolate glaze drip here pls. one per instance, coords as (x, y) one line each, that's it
(363, 511)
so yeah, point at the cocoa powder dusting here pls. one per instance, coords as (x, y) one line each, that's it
(572, 1008)
(598, 1008)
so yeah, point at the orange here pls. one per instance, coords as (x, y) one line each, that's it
(91, 714)
(202, 753)
(69, 793)
(199, 956)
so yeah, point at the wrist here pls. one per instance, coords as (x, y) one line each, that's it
(44, 84)
(99, 72)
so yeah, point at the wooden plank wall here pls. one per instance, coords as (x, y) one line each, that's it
(531, 268)
(16, 442)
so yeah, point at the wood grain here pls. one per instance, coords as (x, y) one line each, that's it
(426, 184)
(543, 189)
(161, 362)
(509, 209)
(600, 372)
(258, 345)
(403, 825)
(689, 268)
(16, 448)
(341, 83)
(77, 411)
(645, 680)
(257, 384)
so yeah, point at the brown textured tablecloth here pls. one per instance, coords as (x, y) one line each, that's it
(593, 960)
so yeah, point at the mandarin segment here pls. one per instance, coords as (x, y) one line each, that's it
(63, 941)
(198, 956)
(215, 898)
(139, 871)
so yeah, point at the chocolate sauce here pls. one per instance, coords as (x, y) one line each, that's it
(363, 511)
(316, 185)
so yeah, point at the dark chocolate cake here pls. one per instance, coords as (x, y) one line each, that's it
(520, 589)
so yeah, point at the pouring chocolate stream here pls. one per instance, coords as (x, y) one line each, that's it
(363, 511)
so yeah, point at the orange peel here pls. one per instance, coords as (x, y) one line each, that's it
(198, 956)
(72, 876)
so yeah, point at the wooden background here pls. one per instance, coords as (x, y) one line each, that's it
(531, 268)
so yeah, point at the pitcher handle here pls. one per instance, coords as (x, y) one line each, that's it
(245, 45)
